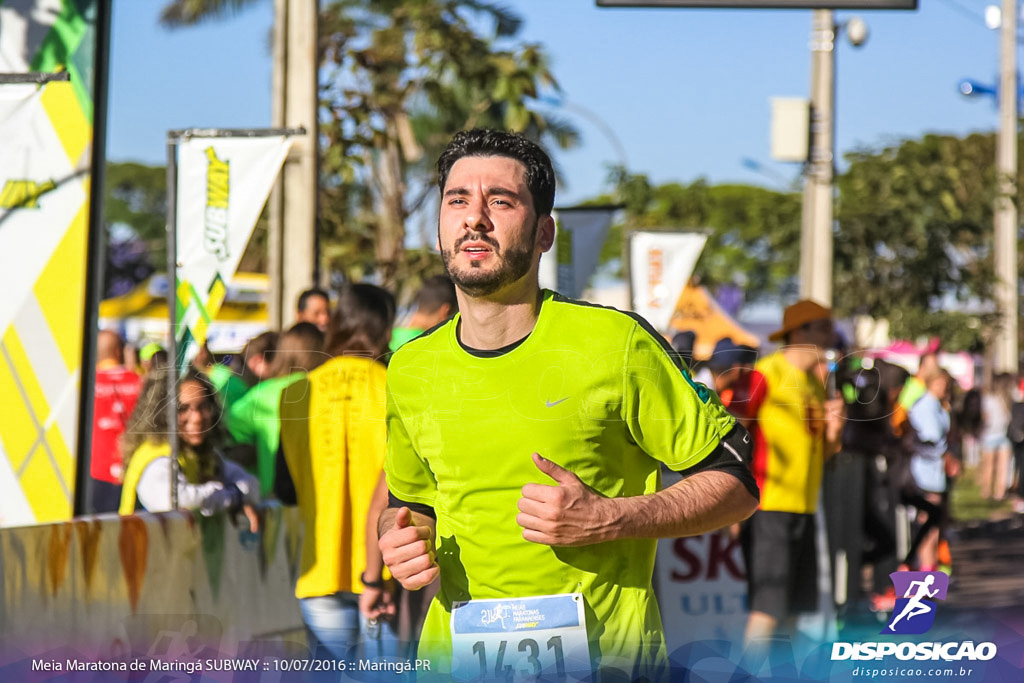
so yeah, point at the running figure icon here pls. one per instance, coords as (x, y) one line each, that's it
(915, 607)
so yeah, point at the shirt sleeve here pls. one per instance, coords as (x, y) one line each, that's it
(154, 488)
(926, 420)
(408, 475)
(674, 419)
(246, 483)
(732, 456)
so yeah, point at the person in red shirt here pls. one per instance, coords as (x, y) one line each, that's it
(117, 390)
(740, 387)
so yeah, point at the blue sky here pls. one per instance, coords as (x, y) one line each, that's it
(684, 92)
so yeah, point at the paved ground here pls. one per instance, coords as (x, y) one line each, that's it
(988, 564)
(987, 583)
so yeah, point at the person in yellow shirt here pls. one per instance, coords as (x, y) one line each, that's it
(797, 428)
(332, 443)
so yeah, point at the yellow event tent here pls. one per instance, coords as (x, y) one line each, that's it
(141, 314)
(696, 310)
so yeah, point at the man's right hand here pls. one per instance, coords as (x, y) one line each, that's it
(408, 551)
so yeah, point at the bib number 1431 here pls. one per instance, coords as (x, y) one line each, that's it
(520, 638)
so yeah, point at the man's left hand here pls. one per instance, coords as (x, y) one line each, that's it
(567, 514)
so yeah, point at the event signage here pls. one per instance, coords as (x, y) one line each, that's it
(660, 265)
(702, 588)
(52, 60)
(222, 185)
(44, 200)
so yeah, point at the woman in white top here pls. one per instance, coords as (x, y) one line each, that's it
(206, 480)
(993, 468)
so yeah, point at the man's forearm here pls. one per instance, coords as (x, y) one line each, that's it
(703, 502)
(378, 503)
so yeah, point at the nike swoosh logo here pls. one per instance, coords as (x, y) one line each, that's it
(552, 404)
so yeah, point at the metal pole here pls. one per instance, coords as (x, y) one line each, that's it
(275, 225)
(299, 177)
(172, 311)
(816, 233)
(39, 77)
(83, 496)
(1005, 229)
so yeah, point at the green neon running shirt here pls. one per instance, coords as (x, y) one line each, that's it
(592, 389)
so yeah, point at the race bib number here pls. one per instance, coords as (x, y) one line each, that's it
(520, 638)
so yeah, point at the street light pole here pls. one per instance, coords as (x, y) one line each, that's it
(1005, 228)
(292, 251)
(816, 229)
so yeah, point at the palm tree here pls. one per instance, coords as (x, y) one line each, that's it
(178, 13)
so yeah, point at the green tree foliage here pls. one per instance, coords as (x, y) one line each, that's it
(134, 225)
(136, 198)
(399, 77)
(753, 233)
(914, 239)
(177, 13)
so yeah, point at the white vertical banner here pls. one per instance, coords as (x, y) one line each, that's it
(222, 185)
(660, 265)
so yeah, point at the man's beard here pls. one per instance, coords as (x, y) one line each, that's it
(514, 263)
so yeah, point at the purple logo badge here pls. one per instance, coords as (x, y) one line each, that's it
(915, 595)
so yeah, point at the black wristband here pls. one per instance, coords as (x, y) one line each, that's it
(379, 583)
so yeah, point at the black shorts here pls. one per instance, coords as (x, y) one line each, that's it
(781, 555)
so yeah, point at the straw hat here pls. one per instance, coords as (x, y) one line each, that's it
(799, 314)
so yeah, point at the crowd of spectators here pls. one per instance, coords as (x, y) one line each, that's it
(298, 415)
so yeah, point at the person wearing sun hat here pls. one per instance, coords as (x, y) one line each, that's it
(795, 431)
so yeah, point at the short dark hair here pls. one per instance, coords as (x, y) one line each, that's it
(300, 348)
(263, 344)
(309, 293)
(482, 142)
(436, 291)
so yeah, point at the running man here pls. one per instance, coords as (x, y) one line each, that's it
(915, 606)
(525, 441)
